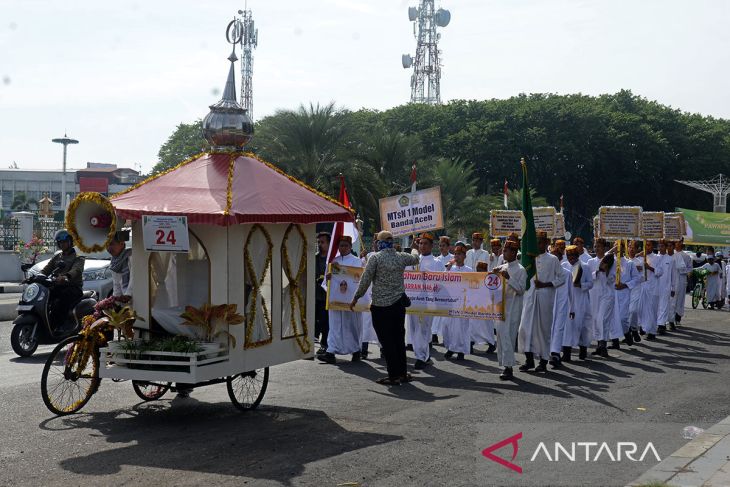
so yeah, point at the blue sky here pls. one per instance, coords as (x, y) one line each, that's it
(119, 76)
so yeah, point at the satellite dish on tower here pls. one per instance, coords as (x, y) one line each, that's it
(443, 17)
(406, 60)
(412, 13)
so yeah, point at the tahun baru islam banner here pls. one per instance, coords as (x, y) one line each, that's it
(411, 213)
(473, 295)
(706, 227)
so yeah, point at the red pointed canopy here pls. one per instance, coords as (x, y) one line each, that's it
(227, 189)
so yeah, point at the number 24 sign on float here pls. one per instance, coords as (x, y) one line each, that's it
(164, 233)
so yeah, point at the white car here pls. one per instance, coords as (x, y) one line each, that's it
(97, 275)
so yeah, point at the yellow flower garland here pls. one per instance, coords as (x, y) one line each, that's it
(256, 289)
(296, 301)
(229, 188)
(97, 199)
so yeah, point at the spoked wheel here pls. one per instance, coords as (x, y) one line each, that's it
(69, 379)
(704, 299)
(696, 296)
(246, 390)
(150, 391)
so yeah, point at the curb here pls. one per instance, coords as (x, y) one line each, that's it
(11, 288)
(698, 463)
(7, 311)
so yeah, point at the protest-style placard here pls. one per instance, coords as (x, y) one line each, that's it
(504, 222)
(673, 227)
(412, 213)
(619, 221)
(474, 295)
(544, 217)
(683, 221)
(652, 225)
(596, 230)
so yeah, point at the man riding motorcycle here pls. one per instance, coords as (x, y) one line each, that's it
(69, 277)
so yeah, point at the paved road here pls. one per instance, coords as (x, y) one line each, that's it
(323, 425)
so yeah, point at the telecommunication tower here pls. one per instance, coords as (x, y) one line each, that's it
(241, 31)
(426, 77)
(717, 186)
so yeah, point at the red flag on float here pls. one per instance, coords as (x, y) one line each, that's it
(506, 191)
(342, 228)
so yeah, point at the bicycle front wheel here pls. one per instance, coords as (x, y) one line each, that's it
(696, 296)
(69, 379)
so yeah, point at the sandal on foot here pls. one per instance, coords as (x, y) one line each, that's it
(406, 378)
(388, 381)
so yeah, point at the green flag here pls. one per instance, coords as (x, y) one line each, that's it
(529, 237)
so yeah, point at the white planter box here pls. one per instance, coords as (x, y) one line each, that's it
(117, 363)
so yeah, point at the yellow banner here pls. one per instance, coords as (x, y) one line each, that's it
(473, 295)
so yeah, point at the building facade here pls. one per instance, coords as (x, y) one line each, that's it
(107, 179)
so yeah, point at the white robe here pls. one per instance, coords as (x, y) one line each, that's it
(596, 295)
(650, 294)
(579, 330)
(666, 288)
(507, 330)
(368, 332)
(723, 283)
(608, 325)
(630, 277)
(585, 256)
(537, 312)
(419, 326)
(494, 261)
(561, 310)
(636, 294)
(437, 325)
(475, 255)
(727, 286)
(456, 330)
(684, 269)
(712, 282)
(345, 334)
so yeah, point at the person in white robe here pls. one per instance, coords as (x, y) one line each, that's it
(445, 258)
(727, 285)
(584, 255)
(537, 312)
(476, 253)
(650, 291)
(597, 290)
(368, 332)
(723, 281)
(482, 331)
(712, 281)
(514, 280)
(678, 270)
(345, 333)
(456, 330)
(685, 268)
(666, 288)
(561, 308)
(579, 329)
(628, 281)
(495, 256)
(635, 302)
(419, 326)
(608, 326)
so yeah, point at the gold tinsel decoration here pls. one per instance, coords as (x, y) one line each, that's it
(99, 200)
(296, 300)
(256, 283)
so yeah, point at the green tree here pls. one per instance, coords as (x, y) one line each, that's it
(315, 144)
(21, 202)
(185, 141)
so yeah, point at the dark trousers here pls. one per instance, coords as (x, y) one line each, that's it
(63, 299)
(389, 325)
(321, 323)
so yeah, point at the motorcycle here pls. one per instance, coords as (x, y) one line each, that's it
(33, 325)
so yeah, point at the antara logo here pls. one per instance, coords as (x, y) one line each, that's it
(588, 451)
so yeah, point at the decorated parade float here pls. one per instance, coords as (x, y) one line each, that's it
(222, 273)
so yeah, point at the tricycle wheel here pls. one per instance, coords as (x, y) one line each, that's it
(150, 391)
(247, 389)
(70, 376)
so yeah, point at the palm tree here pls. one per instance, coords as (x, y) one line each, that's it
(315, 144)
(21, 202)
(392, 155)
(464, 209)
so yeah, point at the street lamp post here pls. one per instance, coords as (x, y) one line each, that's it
(65, 141)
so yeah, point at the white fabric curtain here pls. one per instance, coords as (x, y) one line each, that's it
(295, 248)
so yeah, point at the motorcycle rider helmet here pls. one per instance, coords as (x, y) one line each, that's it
(63, 235)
